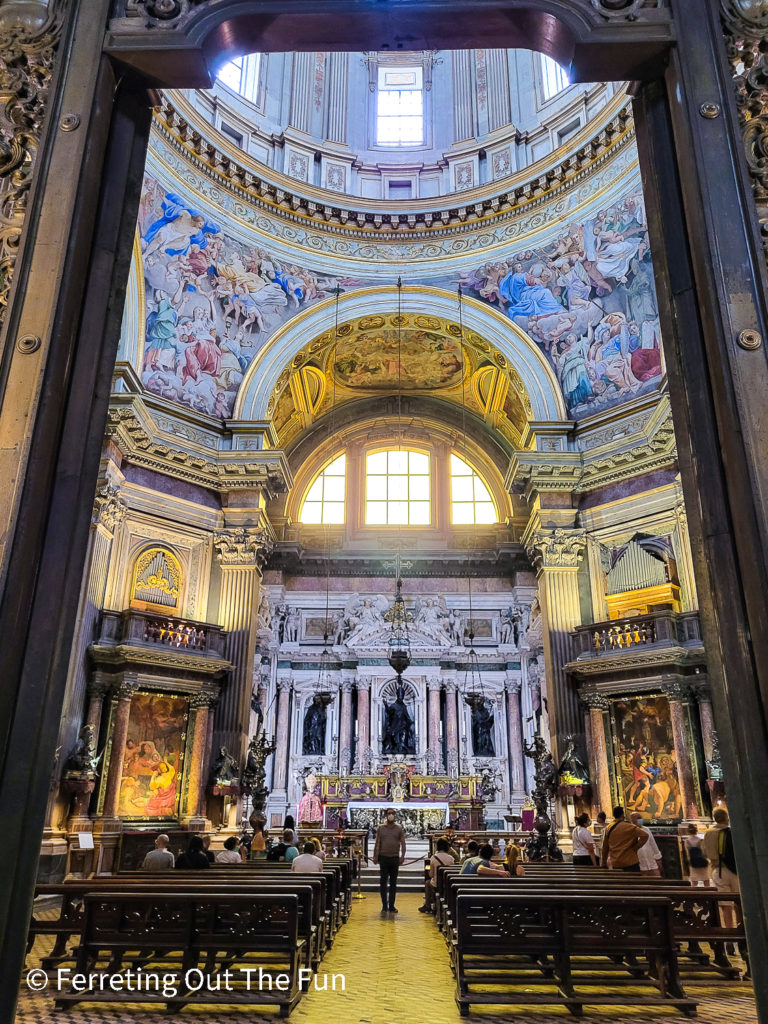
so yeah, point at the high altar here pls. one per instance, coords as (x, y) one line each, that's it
(423, 802)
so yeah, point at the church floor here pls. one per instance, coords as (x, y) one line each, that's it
(396, 972)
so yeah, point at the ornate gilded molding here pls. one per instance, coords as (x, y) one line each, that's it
(109, 509)
(556, 549)
(27, 55)
(133, 430)
(594, 701)
(243, 546)
(746, 32)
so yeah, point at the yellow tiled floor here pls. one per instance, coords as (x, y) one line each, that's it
(396, 971)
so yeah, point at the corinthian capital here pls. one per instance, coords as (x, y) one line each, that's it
(557, 548)
(243, 546)
(109, 509)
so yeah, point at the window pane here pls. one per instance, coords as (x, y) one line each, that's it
(312, 512)
(333, 512)
(388, 130)
(481, 491)
(389, 103)
(376, 488)
(463, 513)
(410, 129)
(419, 487)
(338, 467)
(397, 512)
(397, 487)
(377, 463)
(485, 512)
(409, 103)
(315, 492)
(419, 513)
(334, 488)
(398, 462)
(461, 488)
(419, 462)
(376, 512)
(459, 467)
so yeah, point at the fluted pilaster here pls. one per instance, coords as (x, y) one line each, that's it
(433, 724)
(338, 97)
(514, 726)
(463, 106)
(282, 732)
(345, 723)
(363, 720)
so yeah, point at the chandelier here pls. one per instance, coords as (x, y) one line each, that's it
(399, 644)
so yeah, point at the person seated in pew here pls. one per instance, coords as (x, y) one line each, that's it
(308, 860)
(481, 864)
(194, 856)
(319, 851)
(513, 862)
(441, 856)
(161, 857)
(621, 842)
(472, 850)
(230, 854)
(286, 850)
(583, 842)
(207, 849)
(450, 838)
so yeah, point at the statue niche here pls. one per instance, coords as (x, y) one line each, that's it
(482, 730)
(399, 736)
(314, 729)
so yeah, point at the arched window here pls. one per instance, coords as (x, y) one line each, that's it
(157, 579)
(242, 75)
(324, 501)
(397, 489)
(400, 106)
(554, 78)
(471, 501)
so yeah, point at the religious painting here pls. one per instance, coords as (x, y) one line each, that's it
(481, 627)
(418, 359)
(317, 627)
(153, 757)
(587, 298)
(212, 300)
(644, 751)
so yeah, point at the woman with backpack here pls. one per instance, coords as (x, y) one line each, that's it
(698, 865)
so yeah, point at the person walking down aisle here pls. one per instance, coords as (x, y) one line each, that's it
(389, 854)
(621, 842)
(648, 855)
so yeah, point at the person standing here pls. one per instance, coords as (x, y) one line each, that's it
(717, 847)
(583, 842)
(389, 854)
(698, 865)
(621, 842)
(650, 854)
(161, 857)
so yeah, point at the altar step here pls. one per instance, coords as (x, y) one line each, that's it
(410, 878)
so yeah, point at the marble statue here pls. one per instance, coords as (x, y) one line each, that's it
(366, 618)
(264, 614)
(83, 760)
(314, 729)
(292, 624)
(339, 628)
(455, 626)
(482, 730)
(399, 736)
(432, 620)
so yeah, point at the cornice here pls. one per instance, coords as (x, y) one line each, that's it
(159, 658)
(135, 431)
(658, 657)
(188, 133)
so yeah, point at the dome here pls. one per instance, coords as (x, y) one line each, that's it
(399, 126)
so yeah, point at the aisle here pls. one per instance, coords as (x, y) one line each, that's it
(396, 971)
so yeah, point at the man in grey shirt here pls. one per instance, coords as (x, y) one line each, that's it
(389, 854)
(161, 857)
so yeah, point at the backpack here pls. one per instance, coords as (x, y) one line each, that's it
(725, 850)
(696, 858)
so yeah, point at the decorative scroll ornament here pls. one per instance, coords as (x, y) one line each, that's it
(109, 509)
(557, 548)
(27, 55)
(746, 28)
(627, 10)
(160, 13)
(243, 546)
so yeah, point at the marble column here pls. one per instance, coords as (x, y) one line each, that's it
(678, 694)
(452, 728)
(345, 722)
(282, 732)
(241, 553)
(193, 815)
(598, 753)
(556, 554)
(434, 686)
(362, 759)
(516, 769)
(706, 721)
(125, 694)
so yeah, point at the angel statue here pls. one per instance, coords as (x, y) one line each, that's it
(366, 618)
(432, 619)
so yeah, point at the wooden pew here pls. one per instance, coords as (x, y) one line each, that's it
(501, 937)
(211, 932)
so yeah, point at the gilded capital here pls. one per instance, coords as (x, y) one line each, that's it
(243, 546)
(594, 701)
(557, 548)
(676, 690)
(109, 509)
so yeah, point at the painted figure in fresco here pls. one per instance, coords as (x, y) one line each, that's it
(399, 736)
(570, 358)
(482, 730)
(180, 226)
(162, 789)
(314, 729)
(160, 351)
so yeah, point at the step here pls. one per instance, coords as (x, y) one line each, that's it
(410, 878)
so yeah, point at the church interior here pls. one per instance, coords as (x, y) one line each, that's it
(398, 500)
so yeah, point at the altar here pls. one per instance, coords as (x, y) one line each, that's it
(416, 818)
